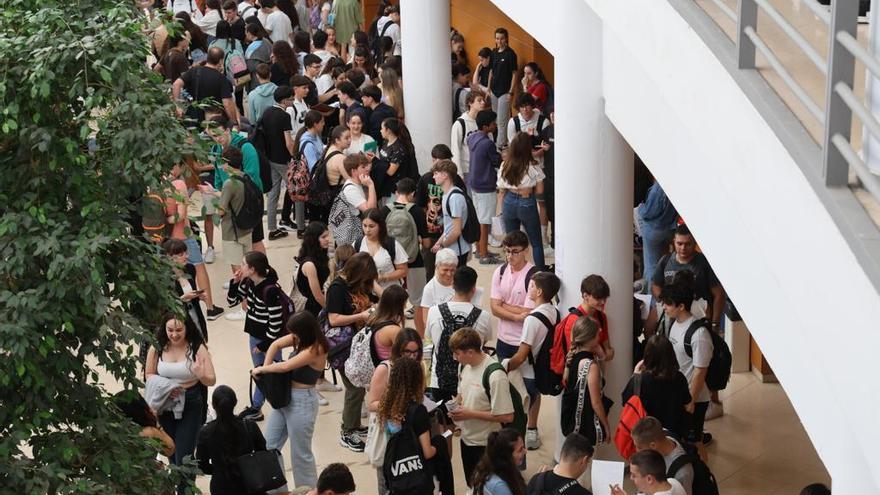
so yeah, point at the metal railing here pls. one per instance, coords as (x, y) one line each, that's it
(841, 102)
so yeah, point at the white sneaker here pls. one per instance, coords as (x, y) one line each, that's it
(716, 410)
(326, 386)
(533, 440)
(494, 242)
(209, 255)
(237, 315)
(548, 251)
(322, 401)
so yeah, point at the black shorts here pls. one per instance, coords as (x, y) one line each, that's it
(257, 233)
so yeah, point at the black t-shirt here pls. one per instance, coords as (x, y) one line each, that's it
(311, 99)
(429, 196)
(547, 136)
(238, 30)
(504, 64)
(377, 115)
(663, 398)
(338, 299)
(275, 123)
(206, 83)
(420, 420)
(483, 77)
(302, 283)
(550, 483)
(418, 216)
(704, 276)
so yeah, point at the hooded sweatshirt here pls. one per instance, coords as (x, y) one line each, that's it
(485, 159)
(261, 98)
(265, 317)
(250, 161)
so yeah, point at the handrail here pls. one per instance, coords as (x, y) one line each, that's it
(795, 36)
(783, 73)
(870, 181)
(725, 10)
(852, 101)
(859, 52)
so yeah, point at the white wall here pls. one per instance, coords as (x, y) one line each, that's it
(535, 17)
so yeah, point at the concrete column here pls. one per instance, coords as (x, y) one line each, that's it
(427, 95)
(594, 187)
(871, 146)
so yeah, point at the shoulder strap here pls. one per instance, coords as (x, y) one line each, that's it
(679, 462)
(516, 124)
(492, 368)
(385, 28)
(357, 245)
(689, 335)
(502, 270)
(473, 316)
(452, 191)
(529, 274)
(581, 385)
(445, 314)
(390, 245)
(463, 129)
(550, 326)
(540, 122)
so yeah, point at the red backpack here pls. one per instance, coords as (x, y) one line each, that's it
(633, 411)
(562, 339)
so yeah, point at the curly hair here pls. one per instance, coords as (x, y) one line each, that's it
(406, 385)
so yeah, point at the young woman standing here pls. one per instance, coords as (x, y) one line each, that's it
(398, 154)
(389, 256)
(359, 139)
(520, 181)
(583, 403)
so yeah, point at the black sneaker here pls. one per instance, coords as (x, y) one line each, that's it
(707, 438)
(287, 226)
(300, 234)
(214, 313)
(251, 413)
(352, 442)
(277, 234)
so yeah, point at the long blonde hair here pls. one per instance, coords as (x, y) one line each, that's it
(392, 90)
(406, 385)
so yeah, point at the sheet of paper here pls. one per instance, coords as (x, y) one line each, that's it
(429, 404)
(603, 474)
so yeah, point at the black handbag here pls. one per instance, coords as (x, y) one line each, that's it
(260, 471)
(275, 388)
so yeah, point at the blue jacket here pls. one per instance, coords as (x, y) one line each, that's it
(485, 160)
(657, 212)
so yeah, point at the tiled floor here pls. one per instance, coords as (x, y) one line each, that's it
(761, 447)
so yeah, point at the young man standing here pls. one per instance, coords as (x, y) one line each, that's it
(459, 89)
(528, 119)
(236, 242)
(594, 294)
(279, 148)
(648, 472)
(462, 128)
(677, 299)
(510, 299)
(379, 111)
(348, 99)
(357, 167)
(648, 434)
(502, 81)
(542, 289)
(574, 459)
(476, 414)
(206, 82)
(482, 180)
(298, 107)
(454, 209)
(429, 196)
(319, 44)
(263, 96)
(312, 69)
(230, 14)
(276, 22)
(392, 15)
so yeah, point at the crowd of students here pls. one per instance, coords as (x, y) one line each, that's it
(302, 103)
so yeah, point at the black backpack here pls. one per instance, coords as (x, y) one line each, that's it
(257, 138)
(719, 367)
(548, 382)
(456, 111)
(536, 139)
(704, 480)
(470, 231)
(446, 367)
(404, 466)
(251, 212)
(321, 193)
(376, 43)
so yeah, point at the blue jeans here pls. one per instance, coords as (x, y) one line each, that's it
(258, 359)
(184, 431)
(655, 243)
(518, 211)
(296, 420)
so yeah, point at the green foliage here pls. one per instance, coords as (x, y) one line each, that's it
(78, 293)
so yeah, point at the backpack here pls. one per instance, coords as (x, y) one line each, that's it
(402, 227)
(536, 139)
(376, 43)
(404, 466)
(363, 358)
(296, 297)
(538, 483)
(339, 339)
(548, 382)
(562, 340)
(520, 417)
(251, 212)
(633, 411)
(463, 130)
(153, 218)
(533, 270)
(264, 164)
(298, 177)
(470, 231)
(345, 226)
(719, 366)
(257, 138)
(446, 368)
(236, 66)
(321, 193)
(704, 480)
(287, 306)
(456, 111)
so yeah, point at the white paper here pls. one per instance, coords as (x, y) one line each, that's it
(429, 404)
(604, 474)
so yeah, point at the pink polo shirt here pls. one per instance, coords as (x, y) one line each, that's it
(511, 289)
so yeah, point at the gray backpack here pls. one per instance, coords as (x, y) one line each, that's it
(402, 228)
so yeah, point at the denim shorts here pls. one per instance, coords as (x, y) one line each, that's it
(193, 251)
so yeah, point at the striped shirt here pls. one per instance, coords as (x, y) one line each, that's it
(264, 313)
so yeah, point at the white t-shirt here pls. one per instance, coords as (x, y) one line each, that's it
(457, 205)
(530, 179)
(392, 32)
(297, 113)
(357, 144)
(702, 352)
(530, 126)
(324, 55)
(674, 489)
(246, 10)
(354, 195)
(324, 83)
(533, 333)
(434, 328)
(383, 261)
(436, 293)
(278, 25)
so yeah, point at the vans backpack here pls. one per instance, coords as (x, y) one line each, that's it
(402, 228)
(719, 367)
(520, 417)
(548, 382)
(404, 467)
(704, 480)
(470, 231)
(344, 226)
(633, 411)
(153, 218)
(320, 192)
(363, 358)
(251, 212)
(446, 368)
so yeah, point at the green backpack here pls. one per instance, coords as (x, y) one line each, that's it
(520, 417)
